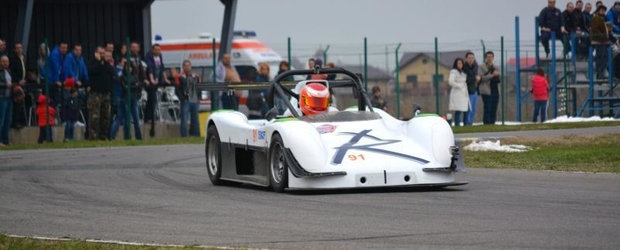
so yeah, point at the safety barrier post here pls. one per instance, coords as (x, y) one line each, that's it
(128, 89)
(610, 69)
(215, 100)
(48, 129)
(536, 41)
(288, 46)
(518, 69)
(503, 82)
(554, 76)
(365, 64)
(397, 82)
(573, 41)
(436, 78)
(590, 79)
(610, 63)
(325, 55)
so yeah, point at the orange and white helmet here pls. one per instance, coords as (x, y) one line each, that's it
(314, 99)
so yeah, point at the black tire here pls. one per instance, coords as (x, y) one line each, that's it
(213, 154)
(278, 169)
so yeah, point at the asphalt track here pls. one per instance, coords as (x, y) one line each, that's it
(161, 194)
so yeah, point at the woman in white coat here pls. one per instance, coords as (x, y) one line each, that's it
(459, 97)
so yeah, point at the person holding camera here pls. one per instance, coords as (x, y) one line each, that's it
(489, 88)
(188, 93)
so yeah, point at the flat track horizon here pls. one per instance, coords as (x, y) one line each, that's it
(161, 194)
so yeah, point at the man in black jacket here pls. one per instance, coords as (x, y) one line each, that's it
(550, 20)
(583, 30)
(18, 74)
(102, 74)
(471, 69)
(6, 105)
(18, 65)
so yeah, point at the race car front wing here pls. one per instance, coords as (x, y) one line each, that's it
(298, 171)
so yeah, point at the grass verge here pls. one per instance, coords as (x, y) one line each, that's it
(115, 143)
(19, 243)
(564, 153)
(537, 126)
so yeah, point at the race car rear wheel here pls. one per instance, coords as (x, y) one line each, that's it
(213, 155)
(278, 169)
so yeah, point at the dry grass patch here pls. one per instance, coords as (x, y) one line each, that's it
(582, 153)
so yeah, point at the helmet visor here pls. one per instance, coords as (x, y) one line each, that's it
(317, 103)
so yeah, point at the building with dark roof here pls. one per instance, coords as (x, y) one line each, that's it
(90, 23)
(417, 69)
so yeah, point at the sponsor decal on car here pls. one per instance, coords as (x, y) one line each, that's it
(261, 135)
(326, 128)
(352, 144)
(258, 135)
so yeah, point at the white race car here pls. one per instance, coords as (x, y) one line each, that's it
(358, 147)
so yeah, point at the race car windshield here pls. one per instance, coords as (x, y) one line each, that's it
(342, 116)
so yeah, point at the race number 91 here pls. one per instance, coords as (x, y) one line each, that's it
(357, 157)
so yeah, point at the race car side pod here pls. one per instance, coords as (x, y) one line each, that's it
(299, 172)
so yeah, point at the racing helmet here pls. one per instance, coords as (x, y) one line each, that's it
(314, 99)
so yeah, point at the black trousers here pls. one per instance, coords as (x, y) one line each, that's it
(490, 108)
(545, 37)
(42, 134)
(151, 104)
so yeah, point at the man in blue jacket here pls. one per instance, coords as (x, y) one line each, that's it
(157, 78)
(74, 66)
(613, 16)
(550, 20)
(54, 71)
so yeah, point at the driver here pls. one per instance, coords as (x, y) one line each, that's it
(314, 99)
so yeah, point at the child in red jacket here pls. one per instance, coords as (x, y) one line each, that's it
(540, 91)
(42, 118)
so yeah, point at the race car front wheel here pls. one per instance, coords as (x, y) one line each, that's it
(214, 157)
(278, 170)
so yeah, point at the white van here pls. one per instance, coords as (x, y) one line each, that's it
(246, 54)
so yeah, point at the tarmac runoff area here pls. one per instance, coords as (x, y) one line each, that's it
(162, 195)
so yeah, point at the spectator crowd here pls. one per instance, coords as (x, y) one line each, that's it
(103, 93)
(578, 25)
(581, 26)
(97, 92)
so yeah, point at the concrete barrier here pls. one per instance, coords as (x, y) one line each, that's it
(29, 135)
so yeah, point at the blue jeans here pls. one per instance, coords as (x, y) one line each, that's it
(120, 119)
(457, 117)
(69, 125)
(116, 101)
(6, 116)
(540, 107)
(189, 110)
(490, 108)
(473, 102)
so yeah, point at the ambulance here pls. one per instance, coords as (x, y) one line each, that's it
(246, 55)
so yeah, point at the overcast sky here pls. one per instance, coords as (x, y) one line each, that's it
(344, 23)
